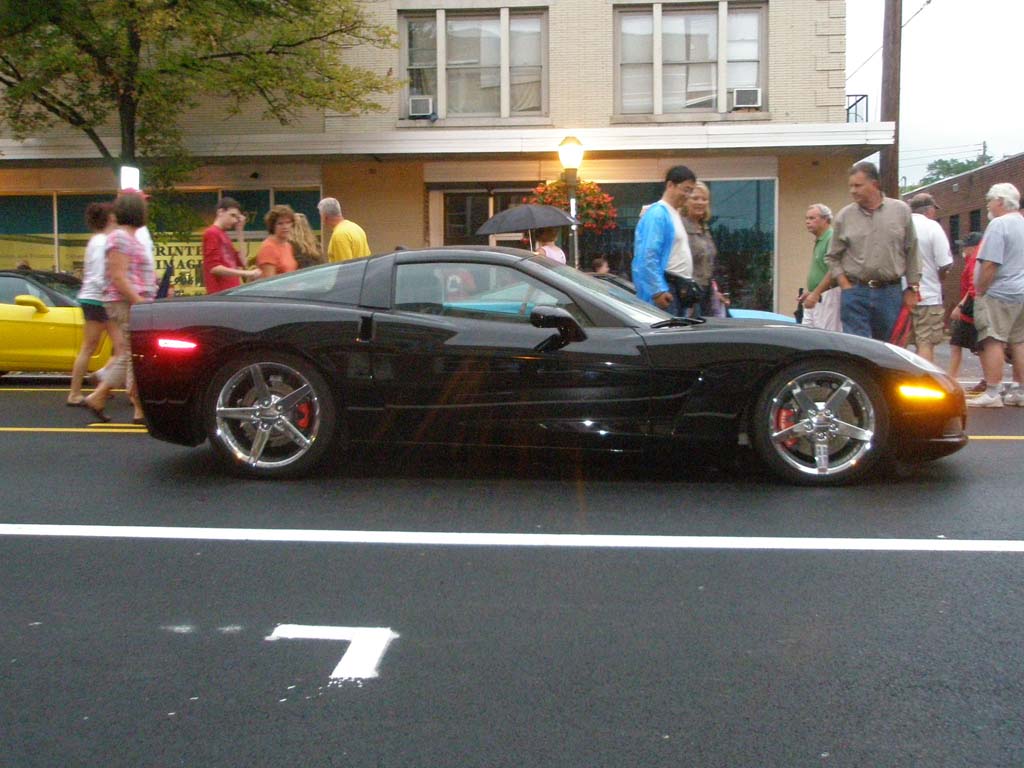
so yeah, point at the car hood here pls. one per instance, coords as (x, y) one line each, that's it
(720, 339)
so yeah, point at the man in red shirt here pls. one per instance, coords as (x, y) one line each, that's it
(223, 266)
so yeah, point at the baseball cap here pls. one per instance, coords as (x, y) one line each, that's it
(973, 238)
(133, 191)
(923, 200)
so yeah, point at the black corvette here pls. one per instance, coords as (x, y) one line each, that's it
(498, 347)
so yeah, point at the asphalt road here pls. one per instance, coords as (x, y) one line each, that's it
(620, 649)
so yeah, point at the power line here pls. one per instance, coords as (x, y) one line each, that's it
(903, 25)
(970, 150)
(940, 156)
(962, 147)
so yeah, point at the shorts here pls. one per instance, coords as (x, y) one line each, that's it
(964, 335)
(95, 313)
(999, 320)
(928, 324)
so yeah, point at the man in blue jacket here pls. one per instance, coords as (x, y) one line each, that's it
(661, 250)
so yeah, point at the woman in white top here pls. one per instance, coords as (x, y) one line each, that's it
(546, 244)
(100, 218)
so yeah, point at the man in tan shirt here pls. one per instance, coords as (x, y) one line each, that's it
(873, 257)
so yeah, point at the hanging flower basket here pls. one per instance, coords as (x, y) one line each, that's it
(594, 208)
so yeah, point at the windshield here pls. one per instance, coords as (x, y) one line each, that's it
(639, 311)
(63, 284)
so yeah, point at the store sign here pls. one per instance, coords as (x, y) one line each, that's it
(187, 260)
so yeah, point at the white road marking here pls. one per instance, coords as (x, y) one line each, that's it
(361, 659)
(179, 629)
(563, 540)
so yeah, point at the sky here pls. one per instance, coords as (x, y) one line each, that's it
(961, 78)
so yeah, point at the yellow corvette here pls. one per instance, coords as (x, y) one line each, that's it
(41, 324)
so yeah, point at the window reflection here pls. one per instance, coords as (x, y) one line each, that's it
(742, 224)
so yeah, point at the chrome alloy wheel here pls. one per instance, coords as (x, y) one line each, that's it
(267, 415)
(822, 423)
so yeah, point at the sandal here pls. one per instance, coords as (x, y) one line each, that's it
(79, 403)
(97, 412)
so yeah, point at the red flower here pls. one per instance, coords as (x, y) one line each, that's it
(594, 208)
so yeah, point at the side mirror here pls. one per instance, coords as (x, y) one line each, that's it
(569, 330)
(31, 301)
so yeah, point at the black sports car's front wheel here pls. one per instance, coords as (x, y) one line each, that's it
(269, 415)
(823, 423)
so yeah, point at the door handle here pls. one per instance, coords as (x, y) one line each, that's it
(365, 329)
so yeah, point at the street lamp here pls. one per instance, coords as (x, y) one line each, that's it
(570, 153)
(131, 177)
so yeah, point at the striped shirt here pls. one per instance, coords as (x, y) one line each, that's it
(140, 267)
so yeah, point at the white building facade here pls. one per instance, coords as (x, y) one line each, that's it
(749, 93)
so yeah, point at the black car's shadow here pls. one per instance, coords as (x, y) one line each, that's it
(200, 466)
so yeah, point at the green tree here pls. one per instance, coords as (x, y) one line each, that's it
(937, 170)
(137, 64)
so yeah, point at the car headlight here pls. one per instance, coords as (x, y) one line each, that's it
(916, 360)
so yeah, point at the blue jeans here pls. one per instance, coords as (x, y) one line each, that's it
(871, 312)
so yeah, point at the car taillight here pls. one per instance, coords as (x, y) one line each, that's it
(180, 345)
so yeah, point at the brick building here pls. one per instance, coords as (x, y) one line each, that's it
(749, 93)
(961, 198)
(961, 201)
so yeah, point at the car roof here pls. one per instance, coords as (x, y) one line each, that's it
(43, 275)
(462, 252)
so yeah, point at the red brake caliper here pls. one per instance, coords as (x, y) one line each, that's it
(303, 411)
(784, 419)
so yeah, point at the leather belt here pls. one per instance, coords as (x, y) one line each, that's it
(873, 283)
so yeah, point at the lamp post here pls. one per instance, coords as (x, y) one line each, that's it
(570, 153)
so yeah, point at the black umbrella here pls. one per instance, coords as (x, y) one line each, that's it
(524, 217)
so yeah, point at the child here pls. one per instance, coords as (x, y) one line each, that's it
(963, 334)
(546, 244)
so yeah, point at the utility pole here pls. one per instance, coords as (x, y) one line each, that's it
(892, 34)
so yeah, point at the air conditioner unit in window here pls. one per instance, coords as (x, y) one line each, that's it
(743, 98)
(421, 106)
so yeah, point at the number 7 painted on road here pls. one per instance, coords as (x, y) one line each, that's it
(366, 649)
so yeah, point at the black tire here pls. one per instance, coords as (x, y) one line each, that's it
(821, 423)
(252, 432)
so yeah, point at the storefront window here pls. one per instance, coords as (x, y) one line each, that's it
(177, 222)
(466, 211)
(742, 224)
(302, 201)
(26, 231)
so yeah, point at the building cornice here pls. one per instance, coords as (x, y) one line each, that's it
(454, 142)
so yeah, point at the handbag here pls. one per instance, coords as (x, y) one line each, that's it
(688, 290)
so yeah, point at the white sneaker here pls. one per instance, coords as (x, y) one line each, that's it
(1014, 396)
(985, 400)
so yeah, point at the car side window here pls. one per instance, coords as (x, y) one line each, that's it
(16, 286)
(476, 291)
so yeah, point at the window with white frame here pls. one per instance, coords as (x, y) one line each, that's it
(676, 58)
(476, 63)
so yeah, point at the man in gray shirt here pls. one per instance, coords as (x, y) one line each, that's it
(873, 257)
(999, 300)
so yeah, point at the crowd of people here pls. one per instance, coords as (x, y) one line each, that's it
(119, 271)
(876, 258)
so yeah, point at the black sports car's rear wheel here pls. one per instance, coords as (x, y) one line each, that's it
(821, 423)
(270, 415)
